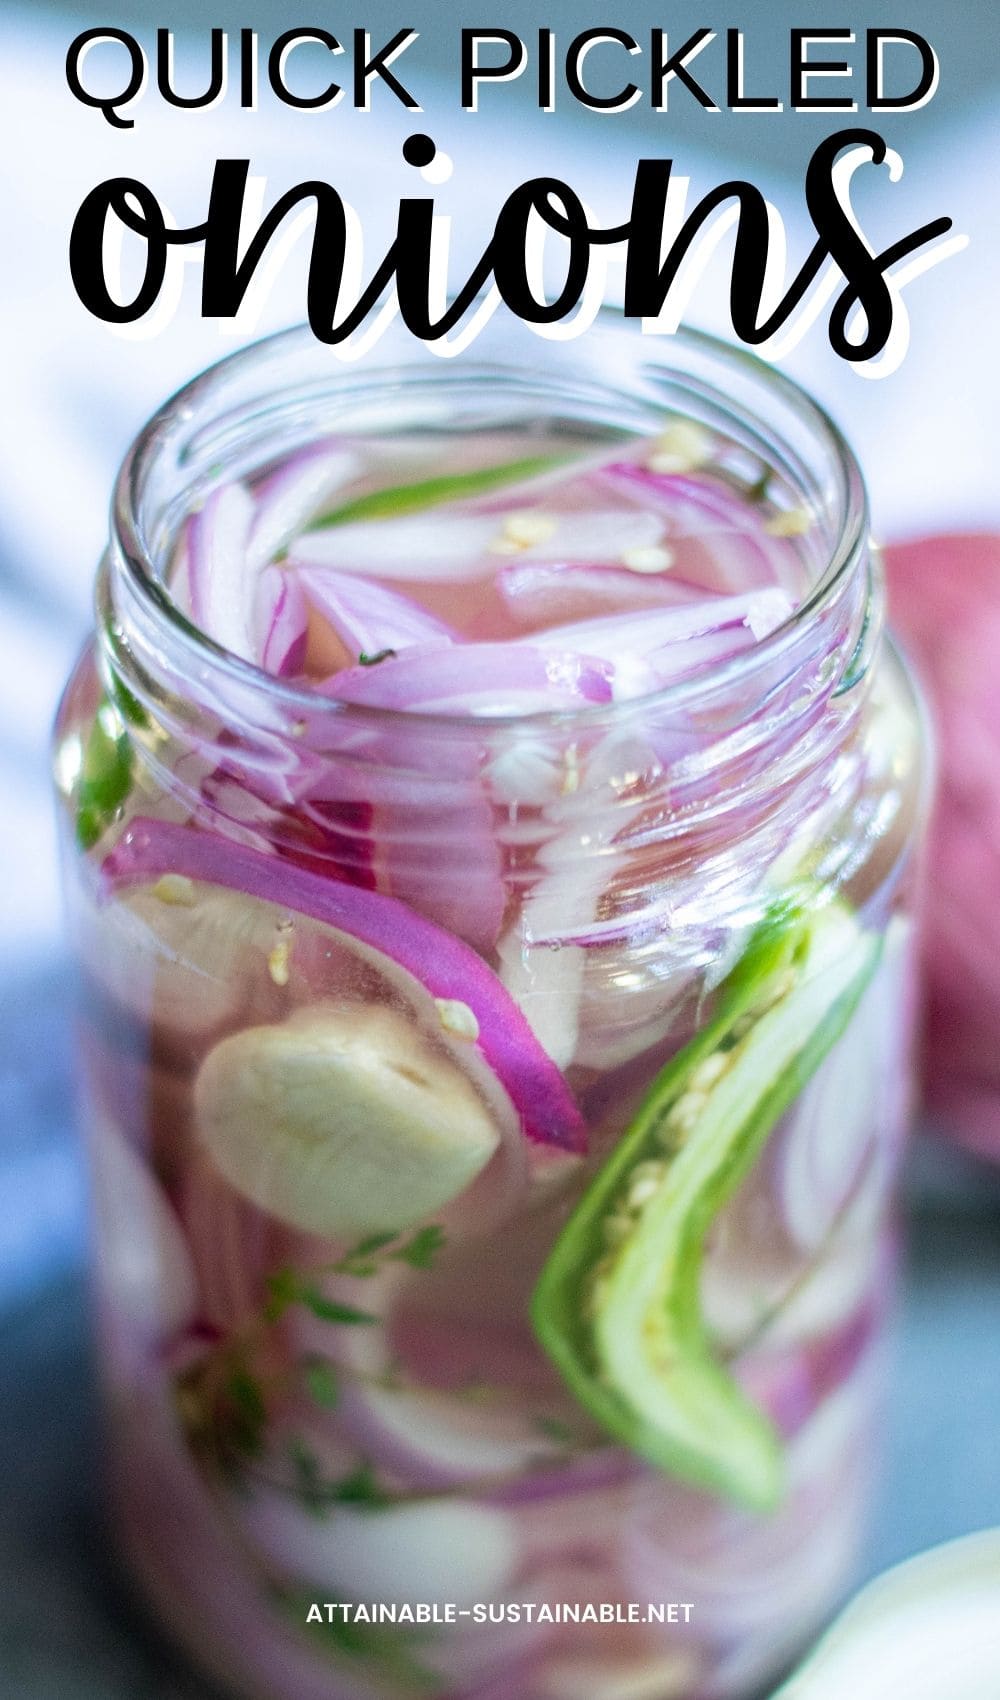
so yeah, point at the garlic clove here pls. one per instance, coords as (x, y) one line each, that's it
(341, 1121)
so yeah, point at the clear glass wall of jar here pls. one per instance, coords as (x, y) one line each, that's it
(295, 1420)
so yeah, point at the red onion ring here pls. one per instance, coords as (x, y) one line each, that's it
(439, 963)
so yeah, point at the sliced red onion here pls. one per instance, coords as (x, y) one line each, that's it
(221, 585)
(439, 963)
(176, 1534)
(490, 1661)
(442, 547)
(367, 616)
(444, 1549)
(429, 547)
(542, 960)
(546, 982)
(294, 495)
(540, 592)
(599, 536)
(652, 649)
(716, 536)
(487, 679)
(529, 771)
(830, 1138)
(282, 623)
(593, 1476)
(751, 1575)
(406, 814)
(233, 1247)
(430, 842)
(429, 1439)
(848, 1119)
(707, 502)
(143, 1264)
(429, 827)
(662, 638)
(445, 864)
(793, 1382)
(800, 1306)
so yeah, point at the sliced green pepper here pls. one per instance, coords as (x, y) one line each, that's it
(105, 774)
(432, 492)
(618, 1305)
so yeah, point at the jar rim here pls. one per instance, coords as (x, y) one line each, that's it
(847, 556)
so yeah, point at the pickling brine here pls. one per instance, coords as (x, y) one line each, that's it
(490, 810)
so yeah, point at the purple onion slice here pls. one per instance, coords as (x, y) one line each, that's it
(367, 617)
(443, 966)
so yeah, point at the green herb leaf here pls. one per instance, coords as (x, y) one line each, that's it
(309, 1485)
(331, 1310)
(319, 1493)
(360, 1260)
(359, 1488)
(374, 1242)
(421, 1250)
(321, 1380)
(384, 1648)
(283, 1289)
(554, 1429)
(244, 1415)
(432, 492)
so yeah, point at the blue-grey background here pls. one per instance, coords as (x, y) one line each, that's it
(72, 396)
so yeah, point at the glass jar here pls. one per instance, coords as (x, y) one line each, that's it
(373, 1436)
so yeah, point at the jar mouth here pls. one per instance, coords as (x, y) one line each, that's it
(197, 653)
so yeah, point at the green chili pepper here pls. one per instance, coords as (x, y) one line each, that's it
(432, 492)
(105, 774)
(618, 1304)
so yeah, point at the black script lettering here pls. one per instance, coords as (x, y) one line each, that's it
(542, 196)
(86, 248)
(864, 272)
(648, 281)
(650, 273)
(226, 278)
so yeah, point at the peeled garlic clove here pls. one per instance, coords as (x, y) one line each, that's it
(341, 1121)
